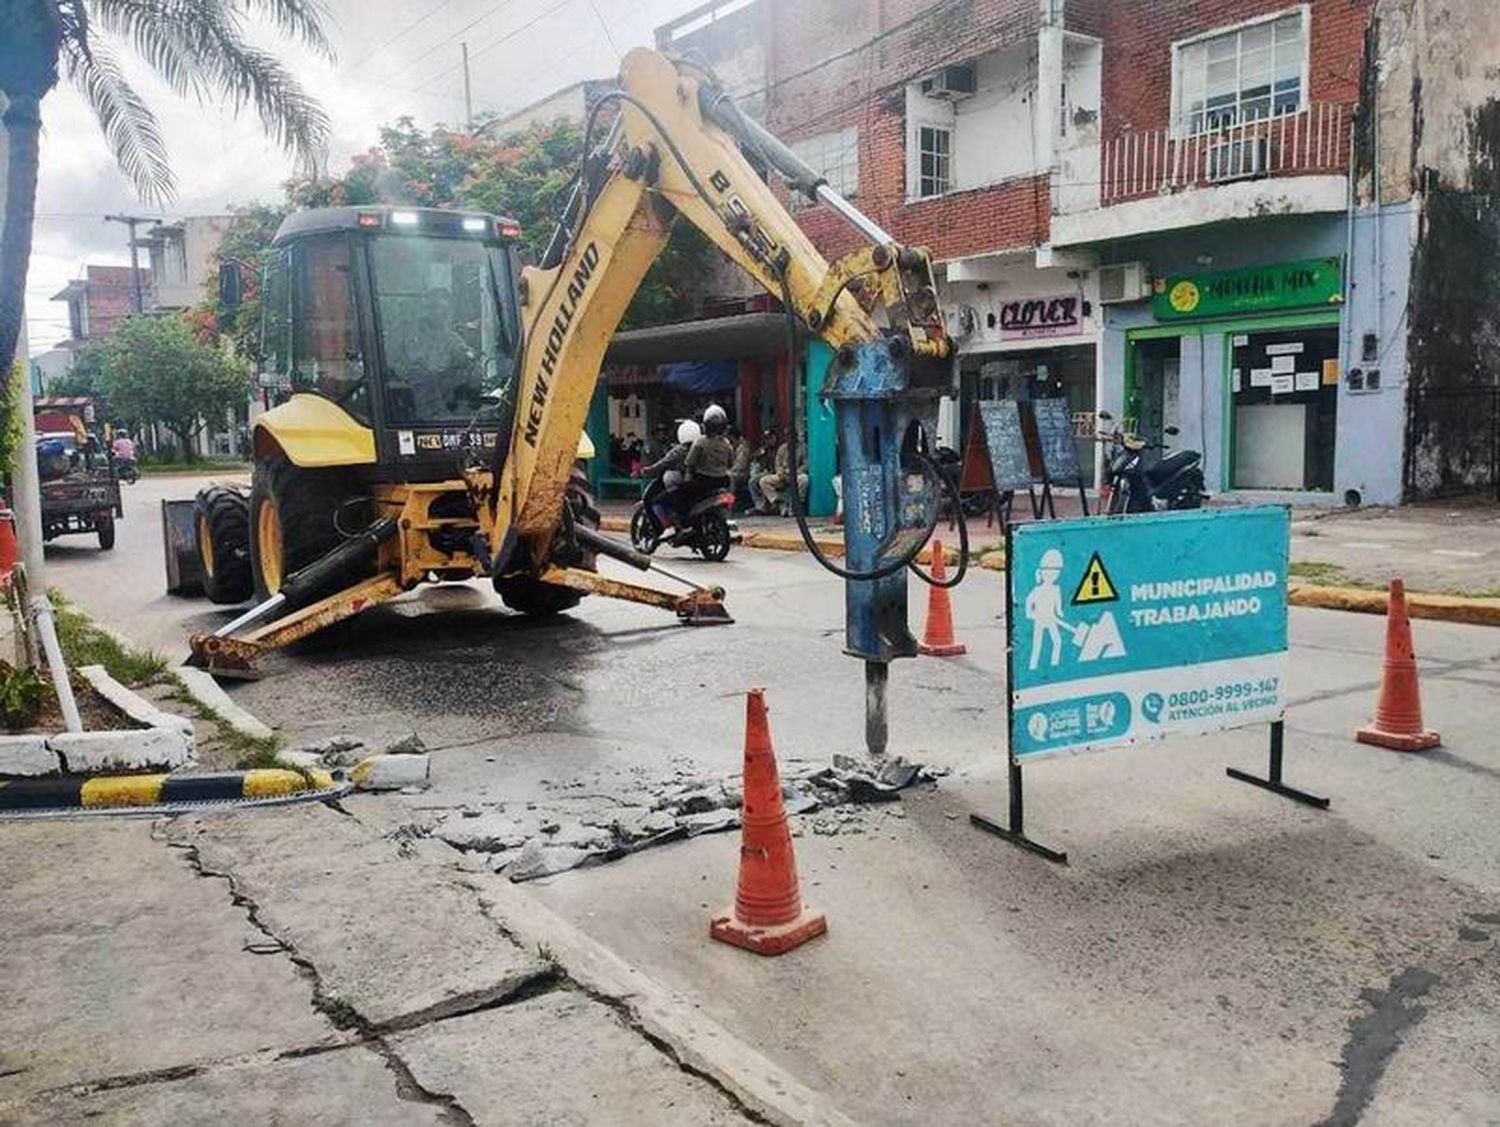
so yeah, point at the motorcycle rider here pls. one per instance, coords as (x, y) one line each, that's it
(669, 469)
(708, 463)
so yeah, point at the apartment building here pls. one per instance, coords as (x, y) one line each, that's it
(99, 301)
(181, 255)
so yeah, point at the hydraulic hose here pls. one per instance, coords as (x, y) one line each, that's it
(929, 470)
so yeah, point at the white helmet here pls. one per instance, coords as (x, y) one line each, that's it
(1052, 560)
(688, 431)
(714, 413)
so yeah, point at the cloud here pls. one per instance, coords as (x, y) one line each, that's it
(395, 57)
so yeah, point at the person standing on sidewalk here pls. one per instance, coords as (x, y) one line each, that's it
(774, 485)
(739, 469)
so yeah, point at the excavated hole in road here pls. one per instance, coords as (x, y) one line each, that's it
(577, 826)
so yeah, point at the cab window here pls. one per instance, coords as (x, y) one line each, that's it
(325, 327)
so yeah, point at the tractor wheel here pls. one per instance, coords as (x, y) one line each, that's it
(530, 596)
(293, 515)
(106, 531)
(222, 520)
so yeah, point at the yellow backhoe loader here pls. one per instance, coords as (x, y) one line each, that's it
(439, 391)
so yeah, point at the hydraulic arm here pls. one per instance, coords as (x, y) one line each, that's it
(680, 147)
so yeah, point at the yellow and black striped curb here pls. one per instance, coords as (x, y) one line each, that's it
(123, 792)
(1467, 609)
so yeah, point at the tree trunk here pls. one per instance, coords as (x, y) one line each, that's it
(23, 124)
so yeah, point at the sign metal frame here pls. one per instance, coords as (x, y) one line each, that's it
(1013, 829)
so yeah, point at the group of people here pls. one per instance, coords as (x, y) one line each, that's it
(715, 456)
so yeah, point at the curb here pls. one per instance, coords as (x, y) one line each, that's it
(201, 686)
(1440, 608)
(695, 1040)
(123, 792)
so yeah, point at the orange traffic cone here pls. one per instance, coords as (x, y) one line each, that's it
(768, 917)
(938, 639)
(1398, 710)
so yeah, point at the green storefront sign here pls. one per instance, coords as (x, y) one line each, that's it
(1286, 285)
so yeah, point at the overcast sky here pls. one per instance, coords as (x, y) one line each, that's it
(395, 57)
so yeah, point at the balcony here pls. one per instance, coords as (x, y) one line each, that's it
(1158, 179)
(1156, 162)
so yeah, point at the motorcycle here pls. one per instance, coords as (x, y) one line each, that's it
(125, 470)
(1173, 482)
(707, 529)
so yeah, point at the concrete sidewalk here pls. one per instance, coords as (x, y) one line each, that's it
(292, 966)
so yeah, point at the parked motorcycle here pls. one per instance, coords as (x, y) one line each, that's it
(1136, 485)
(708, 529)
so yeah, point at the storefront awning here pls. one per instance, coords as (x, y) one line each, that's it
(744, 336)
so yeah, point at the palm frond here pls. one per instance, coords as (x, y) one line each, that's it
(288, 113)
(297, 19)
(198, 47)
(130, 128)
(152, 27)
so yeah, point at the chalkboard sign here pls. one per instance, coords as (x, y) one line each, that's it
(997, 438)
(1054, 433)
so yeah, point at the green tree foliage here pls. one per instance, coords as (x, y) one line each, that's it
(247, 243)
(83, 375)
(156, 371)
(523, 175)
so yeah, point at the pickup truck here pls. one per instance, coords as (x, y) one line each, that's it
(80, 493)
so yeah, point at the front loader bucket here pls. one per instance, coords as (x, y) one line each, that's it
(228, 658)
(704, 607)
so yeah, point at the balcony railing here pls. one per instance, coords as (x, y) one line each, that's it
(1144, 163)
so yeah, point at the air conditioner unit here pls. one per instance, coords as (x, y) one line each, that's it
(952, 83)
(1237, 160)
(1129, 281)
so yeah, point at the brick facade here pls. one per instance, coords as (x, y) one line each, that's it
(1138, 37)
(839, 63)
(847, 62)
(111, 298)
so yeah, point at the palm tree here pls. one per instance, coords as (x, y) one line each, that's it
(197, 46)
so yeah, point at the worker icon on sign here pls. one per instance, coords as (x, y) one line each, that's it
(1044, 609)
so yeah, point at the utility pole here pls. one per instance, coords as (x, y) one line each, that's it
(468, 91)
(132, 221)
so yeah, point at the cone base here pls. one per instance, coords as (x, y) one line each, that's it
(768, 940)
(1398, 741)
(942, 651)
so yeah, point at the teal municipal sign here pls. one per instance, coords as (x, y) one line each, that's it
(1133, 628)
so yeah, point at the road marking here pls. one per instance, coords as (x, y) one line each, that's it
(1457, 553)
(1367, 544)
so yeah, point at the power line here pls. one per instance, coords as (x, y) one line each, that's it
(486, 14)
(506, 38)
(368, 55)
(604, 27)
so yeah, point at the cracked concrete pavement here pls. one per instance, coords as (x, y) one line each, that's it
(294, 967)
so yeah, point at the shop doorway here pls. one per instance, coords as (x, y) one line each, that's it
(1283, 386)
(1069, 373)
(1151, 404)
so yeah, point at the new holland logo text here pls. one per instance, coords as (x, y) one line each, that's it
(555, 338)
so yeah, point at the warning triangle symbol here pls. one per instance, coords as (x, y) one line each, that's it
(1095, 586)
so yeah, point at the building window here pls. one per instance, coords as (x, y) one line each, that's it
(934, 160)
(835, 157)
(1248, 73)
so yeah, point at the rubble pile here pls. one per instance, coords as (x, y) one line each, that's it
(569, 830)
